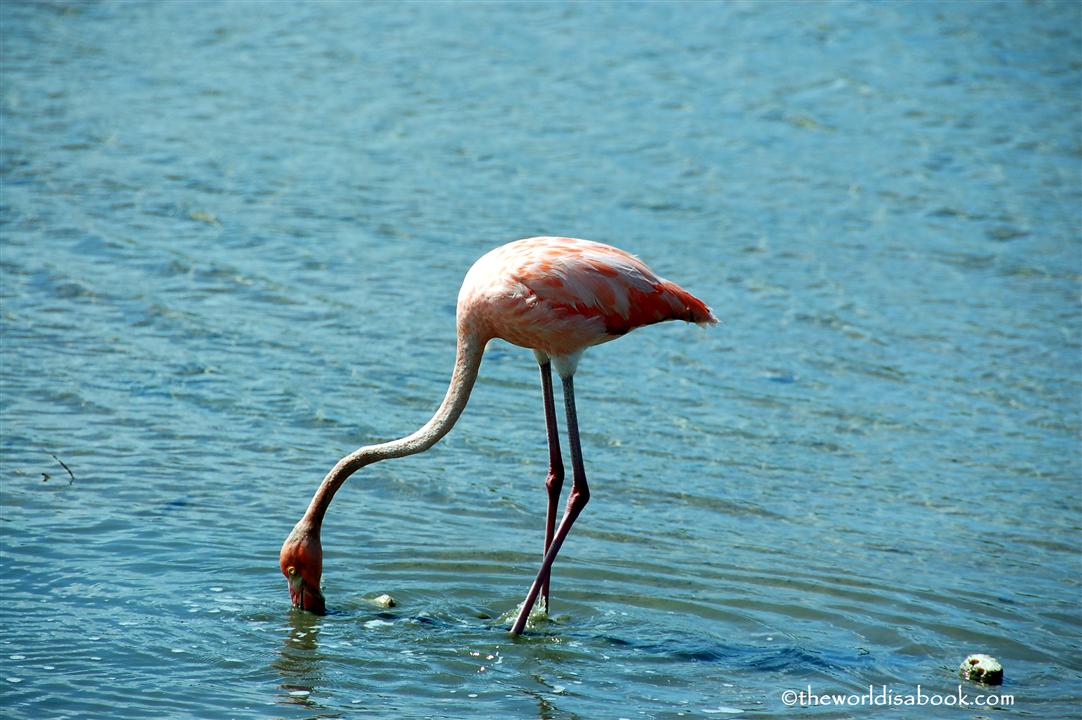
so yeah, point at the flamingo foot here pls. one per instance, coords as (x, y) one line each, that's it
(531, 619)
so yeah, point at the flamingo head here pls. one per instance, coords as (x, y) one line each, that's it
(301, 560)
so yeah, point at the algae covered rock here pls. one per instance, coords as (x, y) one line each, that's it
(982, 668)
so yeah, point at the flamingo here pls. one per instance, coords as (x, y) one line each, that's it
(556, 296)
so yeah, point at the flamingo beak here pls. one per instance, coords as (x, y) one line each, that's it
(304, 596)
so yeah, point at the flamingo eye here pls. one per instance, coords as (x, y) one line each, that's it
(291, 570)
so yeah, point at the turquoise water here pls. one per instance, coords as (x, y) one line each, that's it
(232, 238)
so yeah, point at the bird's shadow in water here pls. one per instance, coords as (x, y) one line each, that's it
(786, 659)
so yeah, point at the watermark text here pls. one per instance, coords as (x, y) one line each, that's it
(887, 696)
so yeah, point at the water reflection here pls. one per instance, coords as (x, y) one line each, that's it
(546, 710)
(300, 663)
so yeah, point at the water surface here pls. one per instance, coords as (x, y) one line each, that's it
(232, 237)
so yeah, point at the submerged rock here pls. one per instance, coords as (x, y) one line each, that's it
(385, 600)
(982, 668)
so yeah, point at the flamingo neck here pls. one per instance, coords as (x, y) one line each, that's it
(471, 347)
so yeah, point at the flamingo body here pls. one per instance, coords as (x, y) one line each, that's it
(556, 296)
(561, 295)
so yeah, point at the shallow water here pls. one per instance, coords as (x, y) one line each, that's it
(232, 239)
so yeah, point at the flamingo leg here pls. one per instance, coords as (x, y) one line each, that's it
(555, 480)
(576, 501)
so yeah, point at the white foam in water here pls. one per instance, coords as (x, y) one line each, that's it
(377, 623)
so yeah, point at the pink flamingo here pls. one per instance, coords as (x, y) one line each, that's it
(555, 296)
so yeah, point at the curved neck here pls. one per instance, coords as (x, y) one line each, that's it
(467, 362)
